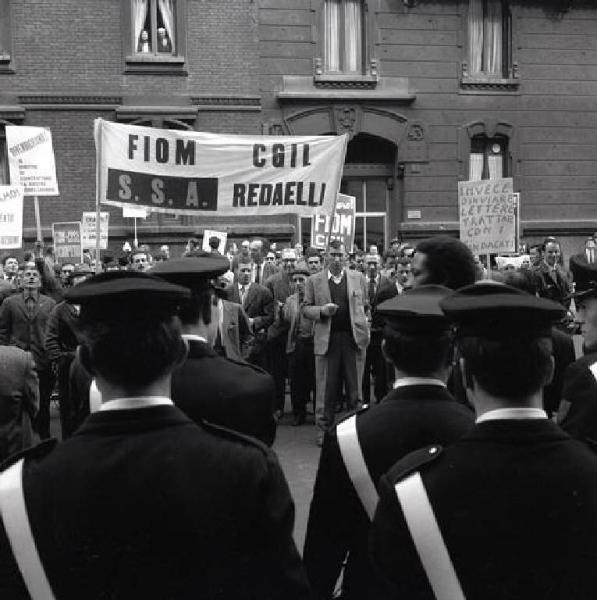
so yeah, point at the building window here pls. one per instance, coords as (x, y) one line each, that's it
(489, 39)
(154, 26)
(488, 158)
(343, 32)
(154, 36)
(5, 38)
(372, 202)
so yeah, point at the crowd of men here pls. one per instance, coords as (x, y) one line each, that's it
(457, 426)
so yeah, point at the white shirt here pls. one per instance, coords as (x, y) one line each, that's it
(514, 414)
(135, 402)
(404, 381)
(336, 279)
(192, 336)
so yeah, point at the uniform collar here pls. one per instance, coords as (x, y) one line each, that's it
(135, 402)
(193, 337)
(514, 414)
(404, 381)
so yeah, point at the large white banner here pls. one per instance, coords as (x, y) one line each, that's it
(31, 160)
(11, 216)
(188, 172)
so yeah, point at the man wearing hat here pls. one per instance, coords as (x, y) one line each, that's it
(507, 511)
(61, 341)
(142, 502)
(207, 386)
(418, 411)
(299, 346)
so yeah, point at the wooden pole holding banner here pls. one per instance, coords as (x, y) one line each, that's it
(37, 218)
(489, 266)
(135, 241)
(98, 159)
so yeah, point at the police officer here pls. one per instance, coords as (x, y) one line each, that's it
(142, 502)
(417, 412)
(207, 386)
(508, 511)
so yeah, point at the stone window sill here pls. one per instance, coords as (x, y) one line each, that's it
(487, 84)
(155, 65)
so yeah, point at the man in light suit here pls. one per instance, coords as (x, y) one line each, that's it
(336, 299)
(257, 302)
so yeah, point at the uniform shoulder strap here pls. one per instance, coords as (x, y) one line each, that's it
(428, 539)
(18, 530)
(353, 458)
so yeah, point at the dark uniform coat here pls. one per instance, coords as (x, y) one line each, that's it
(515, 503)
(580, 390)
(146, 504)
(407, 418)
(228, 393)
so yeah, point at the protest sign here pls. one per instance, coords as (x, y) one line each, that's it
(67, 241)
(31, 160)
(343, 227)
(487, 219)
(134, 212)
(89, 230)
(190, 173)
(11, 216)
(221, 235)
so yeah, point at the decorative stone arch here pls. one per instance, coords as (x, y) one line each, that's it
(490, 128)
(410, 138)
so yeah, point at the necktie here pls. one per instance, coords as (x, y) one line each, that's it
(243, 291)
(591, 256)
(257, 268)
(371, 290)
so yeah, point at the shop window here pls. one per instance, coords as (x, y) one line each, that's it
(488, 158)
(155, 35)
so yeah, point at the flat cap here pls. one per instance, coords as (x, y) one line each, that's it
(192, 270)
(498, 311)
(120, 286)
(416, 310)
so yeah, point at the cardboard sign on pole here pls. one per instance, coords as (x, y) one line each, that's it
(31, 160)
(342, 228)
(67, 241)
(221, 235)
(89, 230)
(487, 216)
(11, 216)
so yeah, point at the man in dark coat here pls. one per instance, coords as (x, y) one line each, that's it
(23, 323)
(488, 516)
(207, 386)
(142, 502)
(583, 266)
(419, 411)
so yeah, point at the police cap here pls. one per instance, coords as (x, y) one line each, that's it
(498, 311)
(197, 270)
(416, 310)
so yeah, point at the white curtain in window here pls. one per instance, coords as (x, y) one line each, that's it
(495, 164)
(332, 35)
(167, 10)
(139, 15)
(353, 31)
(475, 171)
(493, 38)
(475, 36)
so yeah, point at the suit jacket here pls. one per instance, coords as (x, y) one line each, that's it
(258, 304)
(225, 392)
(317, 293)
(62, 337)
(28, 332)
(555, 289)
(292, 312)
(406, 419)
(19, 400)
(7, 288)
(146, 504)
(583, 273)
(580, 390)
(563, 355)
(507, 497)
(236, 330)
(279, 287)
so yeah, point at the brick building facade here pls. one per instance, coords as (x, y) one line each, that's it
(430, 91)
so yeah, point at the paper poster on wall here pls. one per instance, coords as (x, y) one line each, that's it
(134, 212)
(11, 216)
(222, 237)
(89, 229)
(67, 241)
(31, 160)
(343, 227)
(487, 215)
(190, 172)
